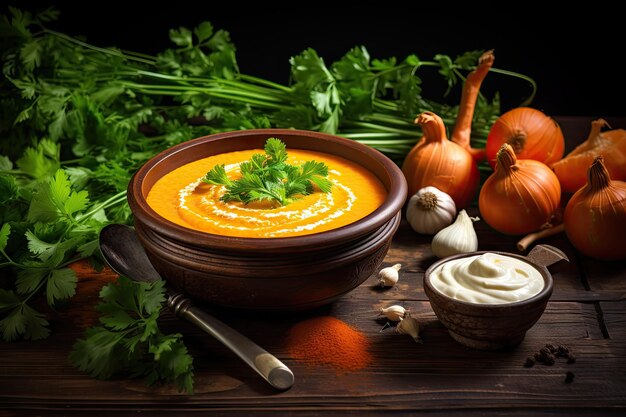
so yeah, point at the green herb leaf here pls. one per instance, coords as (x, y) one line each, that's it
(217, 176)
(56, 200)
(61, 285)
(5, 231)
(269, 177)
(31, 54)
(24, 322)
(5, 163)
(29, 280)
(129, 340)
(181, 37)
(204, 31)
(97, 354)
(41, 161)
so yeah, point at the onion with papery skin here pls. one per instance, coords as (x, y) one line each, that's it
(531, 133)
(572, 169)
(595, 216)
(440, 163)
(521, 196)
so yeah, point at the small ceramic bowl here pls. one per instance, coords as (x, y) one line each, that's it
(488, 326)
(289, 273)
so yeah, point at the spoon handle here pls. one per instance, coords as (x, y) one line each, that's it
(267, 365)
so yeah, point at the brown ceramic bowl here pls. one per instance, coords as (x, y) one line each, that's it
(290, 273)
(488, 326)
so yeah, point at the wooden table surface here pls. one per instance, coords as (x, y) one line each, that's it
(587, 313)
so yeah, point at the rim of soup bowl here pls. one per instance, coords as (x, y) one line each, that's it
(396, 195)
(545, 292)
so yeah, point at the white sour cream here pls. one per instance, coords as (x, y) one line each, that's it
(487, 279)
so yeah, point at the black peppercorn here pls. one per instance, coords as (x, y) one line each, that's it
(569, 377)
(544, 351)
(548, 359)
(548, 354)
(551, 348)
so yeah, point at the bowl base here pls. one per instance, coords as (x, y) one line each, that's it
(486, 344)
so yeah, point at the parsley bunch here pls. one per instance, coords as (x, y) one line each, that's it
(129, 340)
(270, 177)
(57, 226)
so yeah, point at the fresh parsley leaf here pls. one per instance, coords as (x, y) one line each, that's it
(468, 60)
(204, 31)
(5, 231)
(97, 354)
(270, 177)
(316, 84)
(181, 37)
(8, 188)
(24, 322)
(217, 176)
(276, 150)
(174, 362)
(129, 340)
(29, 280)
(56, 200)
(61, 285)
(31, 54)
(315, 172)
(5, 163)
(41, 161)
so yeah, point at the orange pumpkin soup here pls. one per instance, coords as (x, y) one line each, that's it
(181, 197)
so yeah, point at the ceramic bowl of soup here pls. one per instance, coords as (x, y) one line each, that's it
(261, 255)
(488, 300)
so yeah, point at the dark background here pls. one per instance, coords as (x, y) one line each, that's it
(575, 55)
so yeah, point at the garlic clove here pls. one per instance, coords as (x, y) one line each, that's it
(409, 325)
(459, 237)
(388, 277)
(394, 313)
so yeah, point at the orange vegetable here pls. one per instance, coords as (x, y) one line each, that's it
(447, 165)
(440, 163)
(531, 133)
(572, 170)
(521, 196)
(595, 216)
(471, 88)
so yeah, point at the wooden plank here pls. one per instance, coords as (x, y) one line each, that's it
(169, 410)
(405, 376)
(605, 276)
(614, 319)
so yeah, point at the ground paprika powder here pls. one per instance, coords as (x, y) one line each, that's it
(331, 342)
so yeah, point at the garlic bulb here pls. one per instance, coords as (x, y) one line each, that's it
(430, 210)
(394, 313)
(410, 326)
(459, 237)
(387, 277)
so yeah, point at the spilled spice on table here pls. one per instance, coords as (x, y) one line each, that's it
(327, 341)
